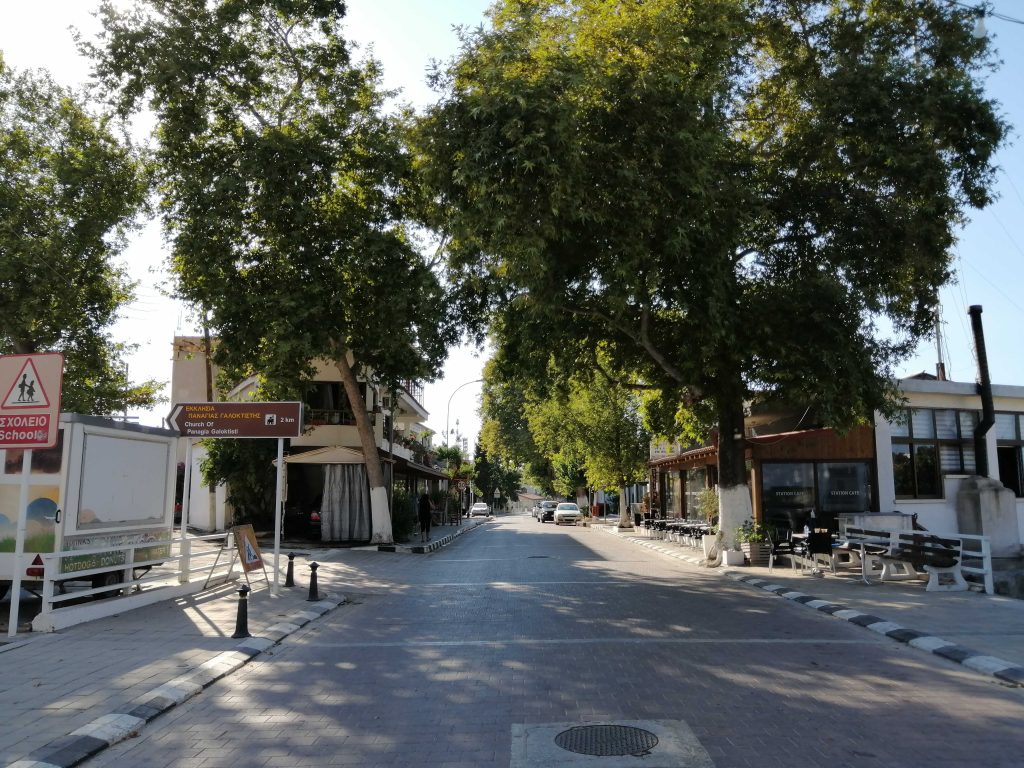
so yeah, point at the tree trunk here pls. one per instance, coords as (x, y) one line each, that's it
(733, 492)
(380, 514)
(625, 518)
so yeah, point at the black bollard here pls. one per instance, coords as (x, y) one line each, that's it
(313, 595)
(242, 618)
(289, 577)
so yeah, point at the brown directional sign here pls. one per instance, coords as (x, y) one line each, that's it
(237, 419)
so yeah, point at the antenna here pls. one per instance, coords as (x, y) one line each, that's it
(940, 366)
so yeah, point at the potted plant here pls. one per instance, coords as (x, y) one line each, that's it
(707, 511)
(754, 543)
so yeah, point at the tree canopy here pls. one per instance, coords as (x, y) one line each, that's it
(284, 188)
(70, 190)
(723, 196)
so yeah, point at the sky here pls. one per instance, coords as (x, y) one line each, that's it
(405, 36)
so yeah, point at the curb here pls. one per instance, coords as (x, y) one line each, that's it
(1003, 671)
(424, 549)
(108, 730)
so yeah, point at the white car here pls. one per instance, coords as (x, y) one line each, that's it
(567, 512)
(480, 508)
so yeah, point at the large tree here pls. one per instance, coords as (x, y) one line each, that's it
(726, 196)
(70, 189)
(283, 186)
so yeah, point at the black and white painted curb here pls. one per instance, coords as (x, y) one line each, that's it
(110, 729)
(1004, 671)
(430, 546)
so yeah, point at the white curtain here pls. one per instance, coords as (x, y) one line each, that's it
(345, 509)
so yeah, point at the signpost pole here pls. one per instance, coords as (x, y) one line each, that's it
(186, 497)
(277, 514)
(19, 544)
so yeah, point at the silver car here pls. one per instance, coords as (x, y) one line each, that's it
(567, 512)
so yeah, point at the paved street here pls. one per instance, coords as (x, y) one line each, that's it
(457, 658)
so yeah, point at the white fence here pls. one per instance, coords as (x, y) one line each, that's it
(184, 567)
(975, 554)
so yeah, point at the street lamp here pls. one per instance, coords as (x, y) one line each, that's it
(448, 409)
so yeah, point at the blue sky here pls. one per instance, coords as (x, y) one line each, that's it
(407, 34)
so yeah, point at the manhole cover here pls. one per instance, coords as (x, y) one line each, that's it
(607, 740)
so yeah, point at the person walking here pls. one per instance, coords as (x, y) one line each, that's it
(425, 508)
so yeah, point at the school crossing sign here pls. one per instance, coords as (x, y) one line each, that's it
(30, 388)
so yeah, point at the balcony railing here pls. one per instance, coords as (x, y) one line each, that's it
(317, 417)
(415, 390)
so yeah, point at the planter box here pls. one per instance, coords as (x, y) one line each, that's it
(707, 543)
(757, 552)
(732, 557)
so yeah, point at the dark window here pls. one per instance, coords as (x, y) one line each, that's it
(927, 444)
(798, 494)
(696, 481)
(1009, 444)
(326, 403)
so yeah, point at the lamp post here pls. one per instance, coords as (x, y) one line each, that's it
(448, 408)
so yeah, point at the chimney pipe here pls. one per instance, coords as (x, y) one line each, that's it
(988, 411)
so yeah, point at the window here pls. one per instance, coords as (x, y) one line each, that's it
(672, 495)
(813, 493)
(928, 443)
(326, 403)
(696, 481)
(787, 494)
(844, 486)
(1009, 429)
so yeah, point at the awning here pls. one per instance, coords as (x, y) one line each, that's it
(332, 454)
(337, 454)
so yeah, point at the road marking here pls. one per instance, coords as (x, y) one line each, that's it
(591, 641)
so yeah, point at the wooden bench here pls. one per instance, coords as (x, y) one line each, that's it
(911, 555)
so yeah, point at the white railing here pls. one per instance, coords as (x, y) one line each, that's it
(196, 562)
(974, 549)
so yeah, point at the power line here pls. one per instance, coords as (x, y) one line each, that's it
(982, 11)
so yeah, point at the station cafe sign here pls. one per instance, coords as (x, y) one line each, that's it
(30, 388)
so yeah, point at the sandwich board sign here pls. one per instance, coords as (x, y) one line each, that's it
(30, 388)
(249, 550)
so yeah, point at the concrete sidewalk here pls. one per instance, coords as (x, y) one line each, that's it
(69, 694)
(982, 632)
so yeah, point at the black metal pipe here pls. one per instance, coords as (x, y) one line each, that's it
(314, 593)
(242, 614)
(988, 411)
(289, 579)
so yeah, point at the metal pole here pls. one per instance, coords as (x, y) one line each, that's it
(186, 496)
(448, 408)
(279, 502)
(19, 544)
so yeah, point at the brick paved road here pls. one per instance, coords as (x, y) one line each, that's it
(440, 658)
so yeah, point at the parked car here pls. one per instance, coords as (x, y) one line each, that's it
(546, 511)
(567, 512)
(480, 508)
(301, 521)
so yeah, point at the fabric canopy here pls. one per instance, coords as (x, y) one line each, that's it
(333, 454)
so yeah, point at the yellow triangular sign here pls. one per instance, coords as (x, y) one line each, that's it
(26, 390)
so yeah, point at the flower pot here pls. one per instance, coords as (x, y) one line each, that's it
(707, 543)
(757, 552)
(732, 557)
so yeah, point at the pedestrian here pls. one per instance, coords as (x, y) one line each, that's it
(425, 509)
